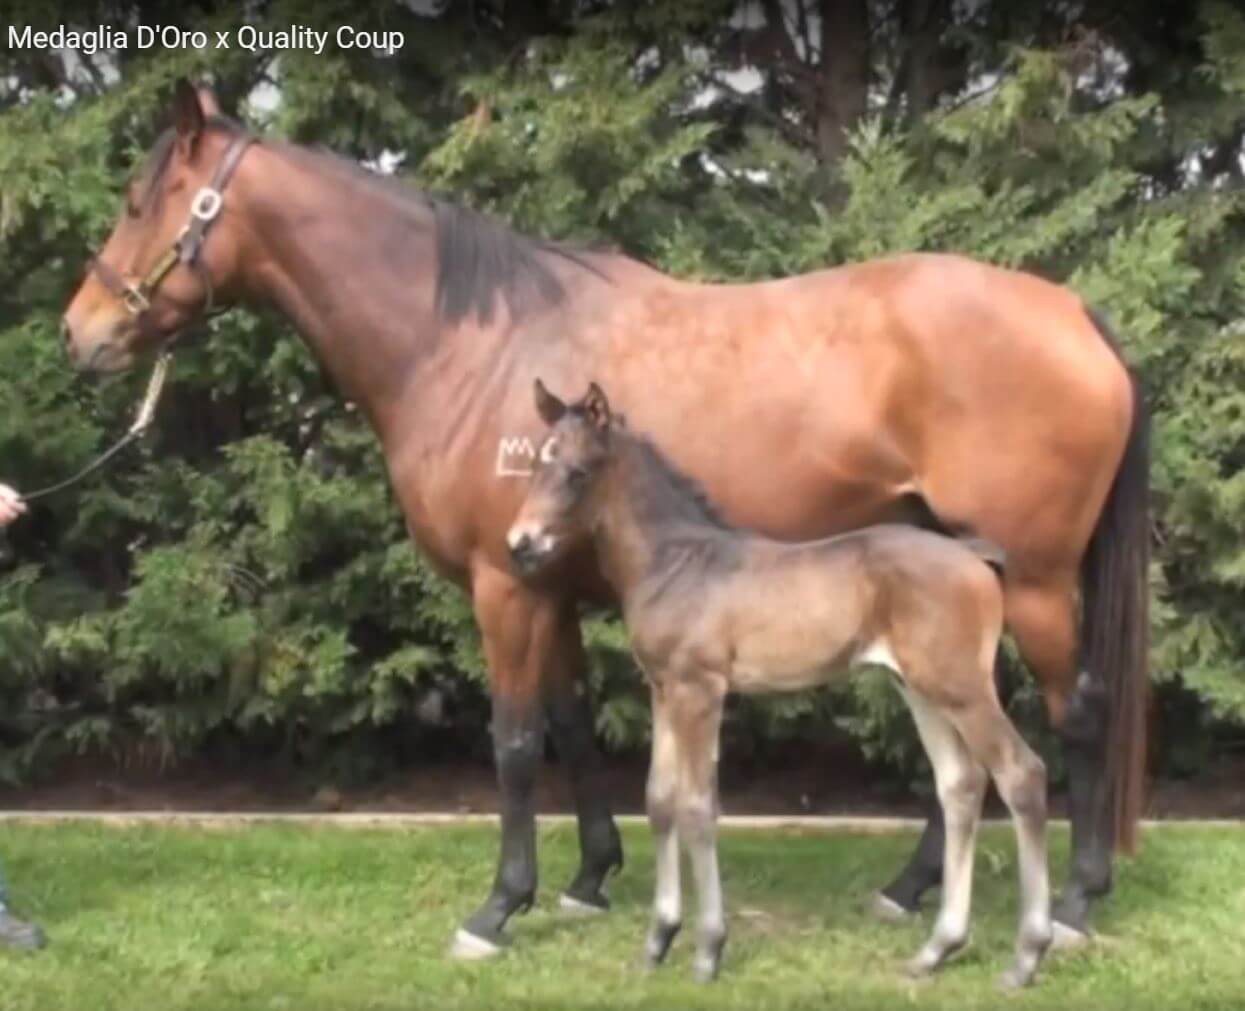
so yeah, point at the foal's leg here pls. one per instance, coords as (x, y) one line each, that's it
(961, 781)
(696, 711)
(570, 723)
(661, 801)
(1020, 777)
(901, 899)
(518, 628)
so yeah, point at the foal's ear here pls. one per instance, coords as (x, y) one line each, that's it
(549, 407)
(188, 116)
(597, 408)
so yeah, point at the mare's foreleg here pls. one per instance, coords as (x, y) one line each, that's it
(519, 631)
(570, 723)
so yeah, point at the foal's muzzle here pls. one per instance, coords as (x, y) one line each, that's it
(528, 553)
(523, 554)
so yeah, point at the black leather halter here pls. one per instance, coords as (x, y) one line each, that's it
(137, 297)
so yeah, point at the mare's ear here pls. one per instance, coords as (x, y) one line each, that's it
(209, 104)
(549, 407)
(188, 116)
(597, 408)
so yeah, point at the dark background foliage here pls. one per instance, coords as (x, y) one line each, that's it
(241, 585)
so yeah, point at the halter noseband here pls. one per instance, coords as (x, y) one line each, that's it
(204, 209)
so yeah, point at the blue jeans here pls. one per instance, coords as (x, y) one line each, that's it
(3, 893)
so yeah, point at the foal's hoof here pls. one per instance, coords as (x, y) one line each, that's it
(469, 947)
(885, 909)
(583, 907)
(657, 943)
(1067, 938)
(1015, 978)
(705, 968)
(708, 958)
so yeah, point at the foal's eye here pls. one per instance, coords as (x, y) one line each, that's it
(577, 476)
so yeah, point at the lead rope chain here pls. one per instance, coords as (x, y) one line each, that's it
(142, 421)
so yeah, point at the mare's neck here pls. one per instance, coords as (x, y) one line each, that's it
(351, 265)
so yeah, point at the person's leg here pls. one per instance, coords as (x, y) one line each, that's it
(15, 933)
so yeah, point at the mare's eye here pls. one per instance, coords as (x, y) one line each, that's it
(577, 477)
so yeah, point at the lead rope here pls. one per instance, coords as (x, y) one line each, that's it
(142, 421)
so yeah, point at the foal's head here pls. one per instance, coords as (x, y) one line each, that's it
(560, 504)
(127, 304)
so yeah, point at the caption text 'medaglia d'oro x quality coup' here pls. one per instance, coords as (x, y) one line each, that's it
(248, 37)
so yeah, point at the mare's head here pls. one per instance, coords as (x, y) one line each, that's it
(566, 485)
(156, 273)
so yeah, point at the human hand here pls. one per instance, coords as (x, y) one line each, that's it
(11, 505)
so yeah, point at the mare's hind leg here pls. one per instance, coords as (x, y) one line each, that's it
(661, 798)
(961, 781)
(1043, 619)
(1020, 777)
(569, 715)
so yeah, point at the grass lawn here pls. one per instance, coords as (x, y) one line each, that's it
(289, 917)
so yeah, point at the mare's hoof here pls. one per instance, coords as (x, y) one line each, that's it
(1067, 938)
(705, 970)
(583, 907)
(469, 947)
(885, 909)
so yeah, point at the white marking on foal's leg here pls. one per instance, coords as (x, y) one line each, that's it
(961, 785)
(1021, 780)
(662, 787)
(879, 652)
(711, 929)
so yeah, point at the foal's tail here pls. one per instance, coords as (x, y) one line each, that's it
(1115, 621)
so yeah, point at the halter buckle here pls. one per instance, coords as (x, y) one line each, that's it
(206, 204)
(135, 301)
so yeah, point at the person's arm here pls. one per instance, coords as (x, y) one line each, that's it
(11, 505)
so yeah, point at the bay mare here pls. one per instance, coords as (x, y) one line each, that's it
(925, 388)
(712, 609)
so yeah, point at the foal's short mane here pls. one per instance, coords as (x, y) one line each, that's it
(480, 260)
(666, 493)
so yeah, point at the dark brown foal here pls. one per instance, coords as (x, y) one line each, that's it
(712, 609)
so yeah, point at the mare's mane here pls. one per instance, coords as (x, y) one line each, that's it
(480, 260)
